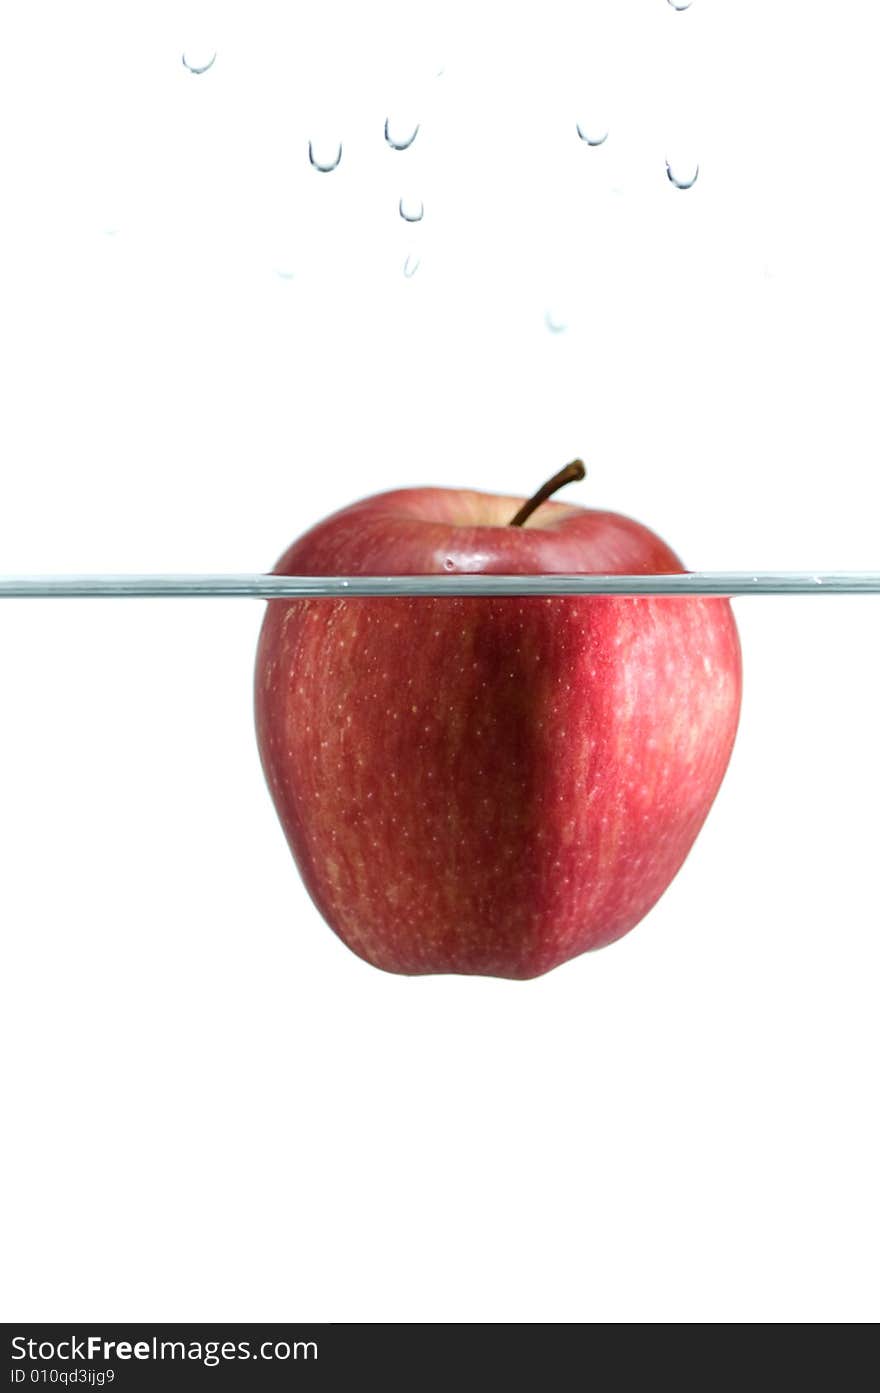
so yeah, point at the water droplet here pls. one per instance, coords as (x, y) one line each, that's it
(283, 275)
(449, 564)
(411, 212)
(399, 144)
(410, 266)
(324, 166)
(590, 139)
(555, 322)
(197, 68)
(679, 183)
(679, 6)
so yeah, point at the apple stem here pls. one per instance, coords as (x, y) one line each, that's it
(568, 475)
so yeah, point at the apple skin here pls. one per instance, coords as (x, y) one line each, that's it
(490, 785)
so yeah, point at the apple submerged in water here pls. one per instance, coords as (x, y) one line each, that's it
(490, 785)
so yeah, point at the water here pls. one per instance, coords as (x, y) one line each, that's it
(680, 182)
(197, 68)
(590, 139)
(399, 144)
(411, 211)
(324, 166)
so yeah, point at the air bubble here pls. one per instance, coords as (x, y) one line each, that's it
(590, 139)
(410, 266)
(324, 166)
(679, 7)
(399, 144)
(449, 564)
(411, 212)
(678, 182)
(197, 68)
(555, 322)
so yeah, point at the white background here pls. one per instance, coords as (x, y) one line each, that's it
(215, 1111)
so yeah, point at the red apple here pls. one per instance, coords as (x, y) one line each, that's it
(490, 785)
